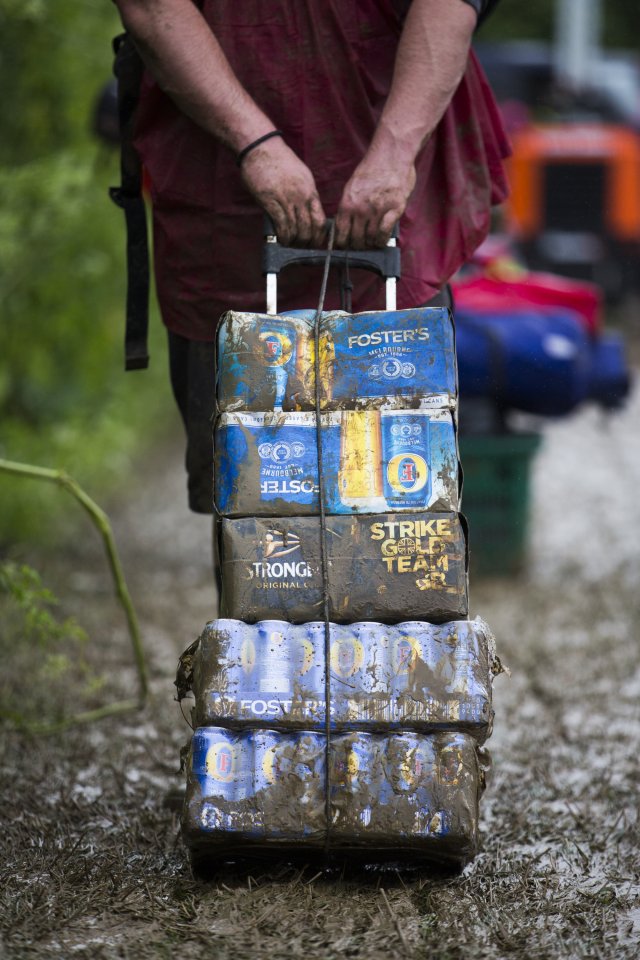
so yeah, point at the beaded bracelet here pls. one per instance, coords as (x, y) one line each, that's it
(256, 143)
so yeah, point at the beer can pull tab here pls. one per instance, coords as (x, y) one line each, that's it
(275, 257)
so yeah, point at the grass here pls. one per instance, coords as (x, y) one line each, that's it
(94, 864)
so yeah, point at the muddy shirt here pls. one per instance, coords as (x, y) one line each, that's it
(321, 72)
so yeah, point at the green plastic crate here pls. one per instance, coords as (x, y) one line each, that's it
(495, 499)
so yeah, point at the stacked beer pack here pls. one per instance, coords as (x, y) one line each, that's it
(396, 768)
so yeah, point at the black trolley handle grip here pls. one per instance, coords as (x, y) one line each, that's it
(275, 257)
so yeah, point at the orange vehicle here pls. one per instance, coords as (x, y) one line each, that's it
(575, 201)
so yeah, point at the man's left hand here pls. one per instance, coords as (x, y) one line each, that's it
(373, 200)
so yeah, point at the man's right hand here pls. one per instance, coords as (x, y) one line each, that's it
(284, 186)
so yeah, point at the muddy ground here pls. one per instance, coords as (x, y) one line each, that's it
(92, 862)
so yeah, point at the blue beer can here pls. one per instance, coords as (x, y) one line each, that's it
(308, 773)
(470, 659)
(274, 670)
(347, 658)
(404, 652)
(355, 784)
(358, 691)
(354, 764)
(309, 693)
(458, 688)
(405, 456)
(423, 813)
(364, 699)
(408, 761)
(285, 756)
(222, 763)
(455, 763)
(420, 466)
(270, 759)
(374, 638)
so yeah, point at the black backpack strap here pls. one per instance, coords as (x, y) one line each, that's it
(128, 68)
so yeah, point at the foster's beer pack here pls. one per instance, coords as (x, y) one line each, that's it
(266, 363)
(386, 567)
(409, 676)
(396, 792)
(255, 784)
(413, 674)
(373, 461)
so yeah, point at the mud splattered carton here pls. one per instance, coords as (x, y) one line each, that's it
(406, 791)
(413, 674)
(385, 567)
(260, 359)
(255, 785)
(408, 353)
(268, 673)
(387, 793)
(373, 461)
(366, 359)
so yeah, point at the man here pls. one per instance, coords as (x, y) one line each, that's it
(367, 110)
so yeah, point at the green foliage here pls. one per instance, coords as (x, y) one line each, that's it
(43, 656)
(55, 57)
(34, 604)
(55, 284)
(513, 20)
(64, 399)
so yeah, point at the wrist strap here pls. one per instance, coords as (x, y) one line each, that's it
(256, 143)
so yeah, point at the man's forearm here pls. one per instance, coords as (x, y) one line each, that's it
(181, 52)
(185, 58)
(430, 61)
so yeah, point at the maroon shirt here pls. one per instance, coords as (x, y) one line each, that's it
(321, 72)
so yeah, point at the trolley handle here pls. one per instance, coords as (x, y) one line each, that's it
(275, 257)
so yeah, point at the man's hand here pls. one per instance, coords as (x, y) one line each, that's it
(374, 199)
(285, 188)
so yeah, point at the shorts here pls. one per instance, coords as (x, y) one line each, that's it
(192, 365)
